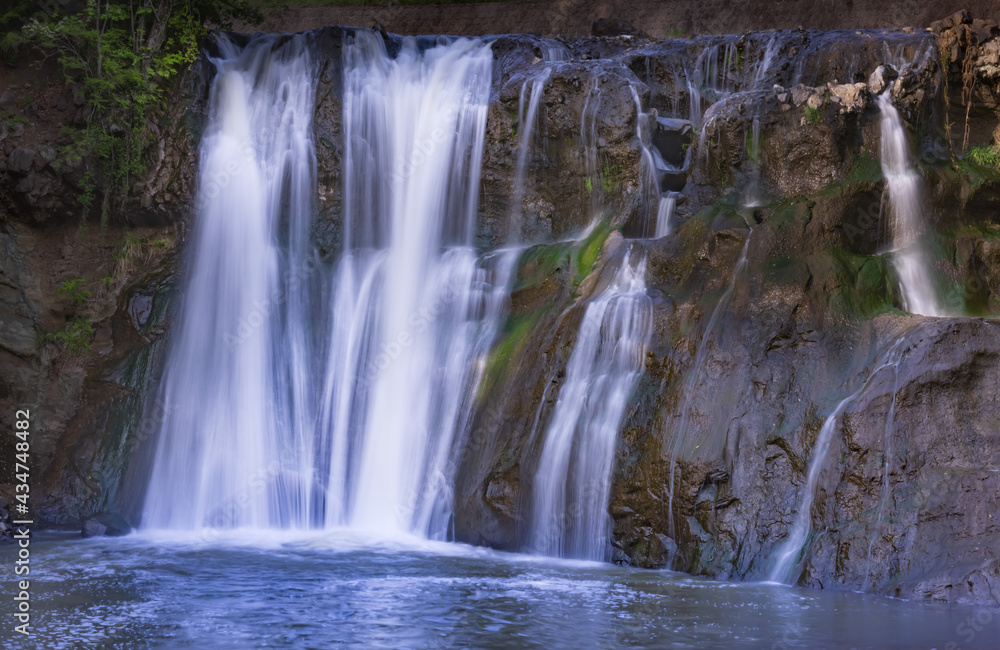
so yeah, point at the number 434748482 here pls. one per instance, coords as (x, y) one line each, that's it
(21, 428)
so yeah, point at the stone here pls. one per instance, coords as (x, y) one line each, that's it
(800, 94)
(20, 160)
(815, 101)
(961, 17)
(109, 524)
(17, 333)
(6, 99)
(880, 78)
(852, 97)
(93, 528)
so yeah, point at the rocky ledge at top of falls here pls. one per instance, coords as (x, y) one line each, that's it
(813, 313)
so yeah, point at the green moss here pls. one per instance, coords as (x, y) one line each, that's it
(813, 115)
(976, 173)
(591, 248)
(539, 263)
(866, 284)
(516, 333)
(864, 169)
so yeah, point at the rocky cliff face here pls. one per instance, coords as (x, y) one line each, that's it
(727, 415)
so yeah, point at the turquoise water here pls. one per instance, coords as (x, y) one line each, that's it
(254, 590)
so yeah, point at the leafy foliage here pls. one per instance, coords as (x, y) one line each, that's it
(123, 54)
(77, 336)
(74, 290)
(984, 156)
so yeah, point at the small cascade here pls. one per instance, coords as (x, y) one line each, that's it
(766, 59)
(790, 552)
(906, 214)
(525, 125)
(588, 139)
(555, 51)
(649, 178)
(691, 379)
(753, 194)
(886, 491)
(569, 515)
(664, 214)
(663, 167)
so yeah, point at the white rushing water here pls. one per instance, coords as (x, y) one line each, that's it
(355, 417)
(786, 566)
(906, 214)
(572, 484)
(236, 342)
(526, 124)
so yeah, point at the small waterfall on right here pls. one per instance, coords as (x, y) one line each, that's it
(791, 550)
(906, 215)
(572, 484)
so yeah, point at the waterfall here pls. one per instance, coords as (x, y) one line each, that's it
(664, 214)
(886, 491)
(526, 125)
(356, 417)
(785, 568)
(571, 489)
(906, 218)
(236, 370)
(589, 139)
(651, 165)
(753, 195)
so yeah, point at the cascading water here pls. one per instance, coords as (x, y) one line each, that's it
(365, 433)
(753, 195)
(526, 125)
(886, 492)
(906, 218)
(588, 139)
(569, 516)
(236, 376)
(664, 214)
(788, 554)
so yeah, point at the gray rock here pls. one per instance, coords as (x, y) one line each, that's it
(880, 78)
(6, 99)
(800, 94)
(93, 528)
(109, 524)
(20, 160)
